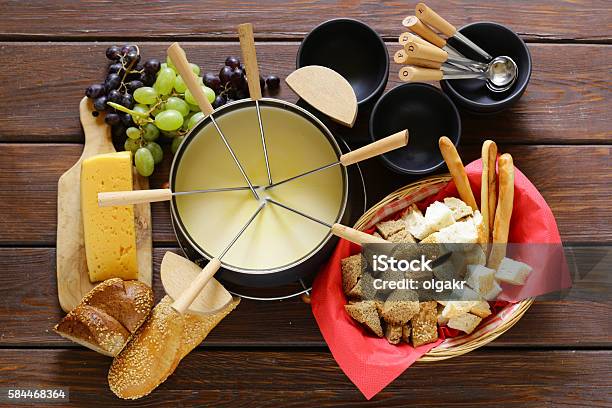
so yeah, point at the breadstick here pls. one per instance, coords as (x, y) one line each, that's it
(488, 188)
(503, 212)
(455, 166)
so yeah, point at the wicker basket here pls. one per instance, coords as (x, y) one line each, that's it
(473, 341)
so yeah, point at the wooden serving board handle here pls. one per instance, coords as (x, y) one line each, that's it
(425, 52)
(433, 19)
(415, 74)
(188, 296)
(249, 57)
(417, 26)
(395, 141)
(179, 59)
(119, 198)
(355, 236)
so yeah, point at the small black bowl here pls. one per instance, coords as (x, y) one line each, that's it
(472, 94)
(428, 114)
(352, 49)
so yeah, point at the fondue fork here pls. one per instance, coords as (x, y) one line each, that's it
(179, 59)
(247, 44)
(339, 230)
(118, 198)
(381, 146)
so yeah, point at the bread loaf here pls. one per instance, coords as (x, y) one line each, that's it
(456, 169)
(503, 212)
(108, 315)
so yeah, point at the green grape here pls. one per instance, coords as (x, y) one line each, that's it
(195, 68)
(179, 84)
(186, 119)
(131, 145)
(195, 119)
(162, 66)
(156, 152)
(143, 159)
(145, 95)
(169, 62)
(177, 104)
(161, 107)
(169, 120)
(194, 108)
(139, 108)
(133, 133)
(210, 95)
(165, 81)
(176, 143)
(170, 134)
(151, 132)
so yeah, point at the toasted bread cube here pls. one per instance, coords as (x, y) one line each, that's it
(402, 236)
(364, 288)
(401, 305)
(493, 293)
(393, 333)
(388, 228)
(365, 312)
(406, 330)
(480, 278)
(481, 309)
(438, 216)
(351, 272)
(513, 272)
(466, 323)
(424, 324)
(458, 208)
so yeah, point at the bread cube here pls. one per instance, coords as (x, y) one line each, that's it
(513, 272)
(388, 228)
(438, 216)
(415, 222)
(424, 324)
(401, 305)
(466, 323)
(494, 292)
(393, 333)
(365, 312)
(481, 309)
(480, 278)
(351, 272)
(458, 208)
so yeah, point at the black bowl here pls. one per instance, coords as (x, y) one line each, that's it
(428, 114)
(472, 94)
(352, 49)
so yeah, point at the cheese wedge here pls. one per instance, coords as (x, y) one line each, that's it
(110, 233)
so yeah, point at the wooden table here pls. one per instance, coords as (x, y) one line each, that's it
(271, 353)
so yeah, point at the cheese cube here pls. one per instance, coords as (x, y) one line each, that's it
(109, 232)
(513, 272)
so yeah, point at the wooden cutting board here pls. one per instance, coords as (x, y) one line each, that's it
(72, 275)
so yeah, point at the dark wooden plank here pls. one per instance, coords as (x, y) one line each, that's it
(536, 20)
(306, 379)
(28, 189)
(30, 310)
(567, 100)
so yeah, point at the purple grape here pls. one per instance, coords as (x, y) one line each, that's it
(114, 96)
(219, 101)
(134, 85)
(132, 57)
(118, 131)
(113, 53)
(112, 81)
(242, 94)
(273, 82)
(112, 119)
(237, 78)
(147, 79)
(126, 119)
(262, 83)
(232, 62)
(212, 81)
(225, 74)
(115, 68)
(128, 101)
(93, 91)
(127, 49)
(100, 103)
(152, 66)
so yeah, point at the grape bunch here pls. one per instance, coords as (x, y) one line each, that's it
(231, 83)
(149, 103)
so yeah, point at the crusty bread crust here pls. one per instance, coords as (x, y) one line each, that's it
(503, 213)
(488, 185)
(455, 166)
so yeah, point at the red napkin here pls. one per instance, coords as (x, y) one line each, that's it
(371, 363)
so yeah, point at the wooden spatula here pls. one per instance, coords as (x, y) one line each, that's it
(327, 91)
(72, 276)
(177, 273)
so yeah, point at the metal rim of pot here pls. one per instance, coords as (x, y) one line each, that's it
(277, 103)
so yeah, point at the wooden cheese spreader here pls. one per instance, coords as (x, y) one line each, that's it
(71, 264)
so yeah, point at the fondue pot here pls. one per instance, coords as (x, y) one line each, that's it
(260, 142)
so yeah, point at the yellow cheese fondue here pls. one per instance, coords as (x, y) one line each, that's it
(277, 237)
